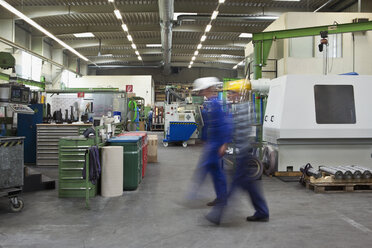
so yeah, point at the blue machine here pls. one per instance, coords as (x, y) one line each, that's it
(179, 132)
(27, 127)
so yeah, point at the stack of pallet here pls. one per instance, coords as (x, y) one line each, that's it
(328, 179)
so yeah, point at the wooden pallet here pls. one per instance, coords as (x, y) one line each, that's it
(338, 187)
(288, 173)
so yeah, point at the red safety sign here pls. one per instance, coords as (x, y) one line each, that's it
(129, 88)
(81, 94)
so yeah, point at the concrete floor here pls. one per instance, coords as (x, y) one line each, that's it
(153, 216)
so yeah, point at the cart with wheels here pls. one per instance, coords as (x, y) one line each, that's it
(15, 202)
(11, 170)
(179, 132)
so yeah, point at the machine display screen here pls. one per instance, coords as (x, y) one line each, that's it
(334, 104)
(16, 94)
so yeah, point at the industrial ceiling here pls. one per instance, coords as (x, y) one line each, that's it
(155, 37)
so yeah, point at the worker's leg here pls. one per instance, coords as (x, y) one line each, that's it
(219, 181)
(254, 189)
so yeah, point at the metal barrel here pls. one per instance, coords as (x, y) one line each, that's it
(337, 173)
(366, 173)
(346, 173)
(311, 172)
(357, 174)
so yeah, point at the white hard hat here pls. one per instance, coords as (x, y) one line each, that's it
(205, 83)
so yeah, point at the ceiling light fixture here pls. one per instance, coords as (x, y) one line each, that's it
(176, 14)
(235, 67)
(124, 27)
(111, 1)
(192, 62)
(134, 46)
(118, 14)
(129, 37)
(189, 66)
(196, 53)
(245, 35)
(208, 28)
(40, 28)
(84, 35)
(203, 38)
(137, 53)
(193, 58)
(139, 58)
(199, 46)
(153, 45)
(214, 15)
(221, 1)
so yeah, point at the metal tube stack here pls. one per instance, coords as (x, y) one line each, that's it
(332, 171)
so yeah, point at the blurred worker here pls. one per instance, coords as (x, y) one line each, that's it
(216, 137)
(149, 116)
(247, 169)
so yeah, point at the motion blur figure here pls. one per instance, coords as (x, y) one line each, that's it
(247, 169)
(216, 136)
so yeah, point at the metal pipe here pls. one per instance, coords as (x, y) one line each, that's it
(311, 172)
(359, 6)
(366, 173)
(346, 173)
(234, 18)
(166, 11)
(357, 174)
(337, 173)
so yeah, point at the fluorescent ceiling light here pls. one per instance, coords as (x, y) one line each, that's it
(214, 15)
(193, 58)
(221, 1)
(40, 28)
(269, 18)
(137, 53)
(192, 62)
(153, 45)
(134, 46)
(196, 53)
(208, 28)
(124, 27)
(129, 37)
(84, 35)
(203, 38)
(286, 0)
(245, 35)
(107, 55)
(235, 67)
(189, 66)
(176, 14)
(241, 62)
(199, 46)
(139, 58)
(111, 1)
(118, 14)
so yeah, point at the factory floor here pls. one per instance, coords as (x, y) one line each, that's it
(155, 215)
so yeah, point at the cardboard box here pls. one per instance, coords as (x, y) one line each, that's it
(152, 152)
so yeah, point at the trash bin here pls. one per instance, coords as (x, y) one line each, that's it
(143, 135)
(132, 159)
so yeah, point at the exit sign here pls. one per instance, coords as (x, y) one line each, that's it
(129, 88)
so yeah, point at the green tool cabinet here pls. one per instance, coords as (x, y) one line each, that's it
(72, 158)
(132, 146)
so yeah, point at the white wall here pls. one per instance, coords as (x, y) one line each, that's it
(314, 65)
(142, 85)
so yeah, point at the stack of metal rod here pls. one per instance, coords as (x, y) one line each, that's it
(347, 172)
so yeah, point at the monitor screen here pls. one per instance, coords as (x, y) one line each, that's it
(334, 104)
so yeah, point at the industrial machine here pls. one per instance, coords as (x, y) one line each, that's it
(179, 124)
(322, 120)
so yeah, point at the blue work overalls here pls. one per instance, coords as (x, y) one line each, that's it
(215, 133)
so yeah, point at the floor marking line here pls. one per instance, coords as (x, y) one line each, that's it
(356, 224)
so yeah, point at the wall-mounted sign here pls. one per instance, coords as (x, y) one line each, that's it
(81, 94)
(129, 88)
